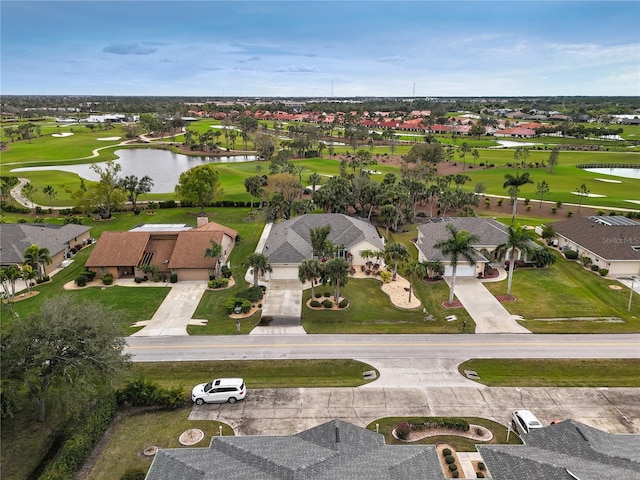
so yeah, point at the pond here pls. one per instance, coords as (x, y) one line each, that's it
(616, 172)
(163, 166)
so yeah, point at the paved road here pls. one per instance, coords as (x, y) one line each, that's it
(237, 347)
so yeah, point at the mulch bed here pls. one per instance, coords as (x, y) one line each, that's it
(454, 304)
(504, 298)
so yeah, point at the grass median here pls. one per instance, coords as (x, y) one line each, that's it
(555, 372)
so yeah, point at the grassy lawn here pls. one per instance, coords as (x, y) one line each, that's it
(371, 311)
(555, 372)
(567, 290)
(460, 444)
(257, 373)
(133, 433)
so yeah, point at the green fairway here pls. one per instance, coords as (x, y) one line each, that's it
(555, 372)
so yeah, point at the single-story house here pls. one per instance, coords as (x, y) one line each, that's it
(568, 450)
(490, 232)
(335, 449)
(173, 249)
(611, 242)
(60, 240)
(289, 242)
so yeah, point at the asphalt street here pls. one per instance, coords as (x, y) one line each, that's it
(235, 347)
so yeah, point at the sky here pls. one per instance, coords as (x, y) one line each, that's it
(301, 48)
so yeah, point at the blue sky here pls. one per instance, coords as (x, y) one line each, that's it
(316, 48)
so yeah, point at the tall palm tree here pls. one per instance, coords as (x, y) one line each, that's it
(260, 265)
(336, 272)
(309, 271)
(520, 239)
(37, 257)
(458, 244)
(214, 251)
(315, 179)
(395, 252)
(28, 274)
(414, 269)
(513, 183)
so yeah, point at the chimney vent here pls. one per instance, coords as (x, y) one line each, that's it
(337, 434)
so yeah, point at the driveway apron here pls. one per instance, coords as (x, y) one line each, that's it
(488, 313)
(283, 303)
(175, 312)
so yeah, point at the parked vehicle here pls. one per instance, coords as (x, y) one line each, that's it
(523, 421)
(220, 390)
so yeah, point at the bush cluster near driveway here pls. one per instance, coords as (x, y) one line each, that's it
(371, 311)
(567, 290)
(555, 372)
(461, 444)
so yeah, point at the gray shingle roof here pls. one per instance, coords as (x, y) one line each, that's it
(570, 446)
(289, 241)
(611, 242)
(312, 454)
(490, 232)
(15, 238)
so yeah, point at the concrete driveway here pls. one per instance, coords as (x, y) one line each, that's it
(285, 411)
(488, 313)
(175, 312)
(283, 306)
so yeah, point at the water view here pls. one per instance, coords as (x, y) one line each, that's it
(163, 166)
(617, 172)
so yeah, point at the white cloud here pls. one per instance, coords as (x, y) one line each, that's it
(129, 49)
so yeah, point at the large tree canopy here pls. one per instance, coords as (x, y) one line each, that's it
(199, 185)
(61, 356)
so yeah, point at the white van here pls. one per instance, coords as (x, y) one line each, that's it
(523, 421)
(220, 390)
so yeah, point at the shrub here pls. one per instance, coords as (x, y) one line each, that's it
(554, 210)
(226, 271)
(318, 294)
(500, 201)
(218, 283)
(253, 294)
(446, 452)
(259, 305)
(174, 278)
(594, 268)
(107, 279)
(81, 281)
(603, 272)
(449, 459)
(327, 294)
(79, 446)
(90, 274)
(571, 254)
(344, 303)
(138, 279)
(455, 474)
(403, 430)
(569, 214)
(479, 475)
(456, 424)
(156, 277)
(559, 204)
(314, 303)
(481, 466)
(327, 303)
(385, 277)
(146, 393)
(453, 467)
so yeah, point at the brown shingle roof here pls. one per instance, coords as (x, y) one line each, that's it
(190, 247)
(612, 242)
(118, 249)
(214, 227)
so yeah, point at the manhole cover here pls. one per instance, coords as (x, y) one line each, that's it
(191, 436)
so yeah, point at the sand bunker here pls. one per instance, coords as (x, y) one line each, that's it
(60, 135)
(608, 181)
(108, 139)
(594, 195)
(637, 202)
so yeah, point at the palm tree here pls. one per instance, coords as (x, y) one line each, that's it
(315, 179)
(395, 252)
(336, 272)
(414, 269)
(28, 274)
(434, 268)
(260, 265)
(513, 183)
(458, 244)
(37, 257)
(309, 270)
(520, 239)
(215, 251)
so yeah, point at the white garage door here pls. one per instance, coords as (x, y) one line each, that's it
(284, 273)
(463, 270)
